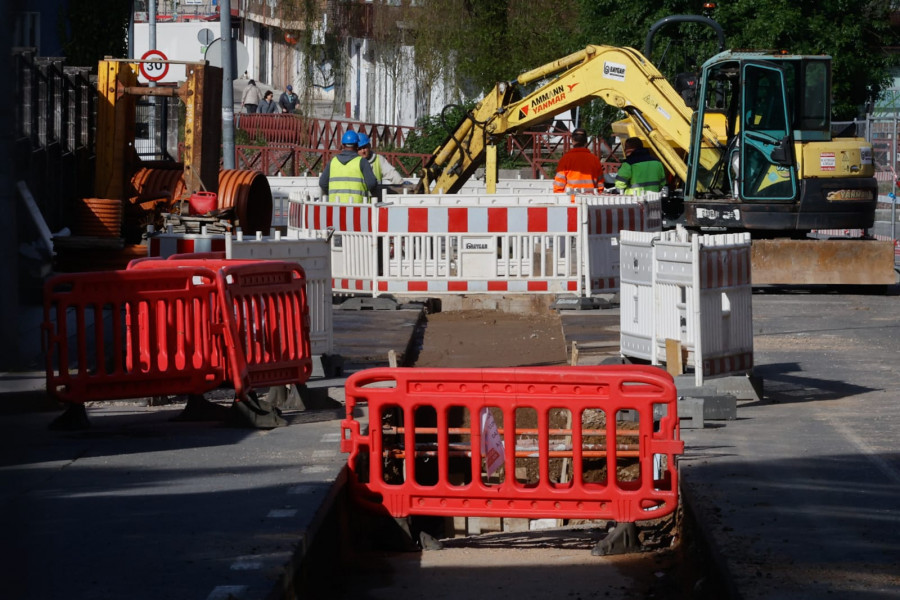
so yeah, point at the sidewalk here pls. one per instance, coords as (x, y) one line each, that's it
(140, 506)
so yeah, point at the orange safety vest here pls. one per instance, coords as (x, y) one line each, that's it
(578, 171)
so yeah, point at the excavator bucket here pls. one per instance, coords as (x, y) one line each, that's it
(826, 262)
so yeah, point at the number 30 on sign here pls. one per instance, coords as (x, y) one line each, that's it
(156, 69)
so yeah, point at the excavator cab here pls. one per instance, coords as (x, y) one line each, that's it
(779, 162)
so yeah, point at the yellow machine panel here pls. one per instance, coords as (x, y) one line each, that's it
(840, 157)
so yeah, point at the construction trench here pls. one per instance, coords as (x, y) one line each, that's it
(381, 557)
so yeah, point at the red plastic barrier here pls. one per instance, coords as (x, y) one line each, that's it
(267, 328)
(266, 314)
(208, 260)
(545, 442)
(126, 334)
(161, 327)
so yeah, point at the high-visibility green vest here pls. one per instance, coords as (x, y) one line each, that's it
(643, 175)
(346, 183)
(376, 168)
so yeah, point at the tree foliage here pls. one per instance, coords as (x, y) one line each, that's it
(495, 40)
(854, 32)
(92, 29)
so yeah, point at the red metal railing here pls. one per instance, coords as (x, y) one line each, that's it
(301, 146)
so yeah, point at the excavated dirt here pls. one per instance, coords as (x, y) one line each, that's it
(479, 338)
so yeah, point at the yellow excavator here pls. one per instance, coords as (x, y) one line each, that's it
(751, 150)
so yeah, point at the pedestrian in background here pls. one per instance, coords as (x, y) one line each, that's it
(348, 178)
(250, 99)
(268, 106)
(288, 100)
(578, 171)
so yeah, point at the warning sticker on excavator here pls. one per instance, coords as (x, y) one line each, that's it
(613, 71)
(865, 155)
(826, 161)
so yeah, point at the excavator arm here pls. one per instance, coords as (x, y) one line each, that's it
(621, 77)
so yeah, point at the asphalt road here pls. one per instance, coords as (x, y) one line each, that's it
(799, 495)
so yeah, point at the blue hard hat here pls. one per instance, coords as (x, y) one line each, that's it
(350, 138)
(363, 140)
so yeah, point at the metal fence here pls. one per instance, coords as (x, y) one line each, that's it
(882, 132)
(156, 128)
(884, 135)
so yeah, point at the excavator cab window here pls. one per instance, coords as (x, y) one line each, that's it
(815, 102)
(718, 112)
(765, 170)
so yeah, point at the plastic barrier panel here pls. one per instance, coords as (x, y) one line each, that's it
(537, 442)
(267, 324)
(607, 216)
(312, 252)
(128, 334)
(451, 243)
(693, 289)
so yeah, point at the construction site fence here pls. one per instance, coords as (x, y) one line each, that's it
(536, 442)
(311, 252)
(54, 127)
(884, 135)
(687, 297)
(298, 146)
(461, 243)
(175, 327)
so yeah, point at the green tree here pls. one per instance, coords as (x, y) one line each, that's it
(92, 29)
(854, 32)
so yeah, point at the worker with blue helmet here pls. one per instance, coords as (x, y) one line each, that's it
(348, 178)
(384, 171)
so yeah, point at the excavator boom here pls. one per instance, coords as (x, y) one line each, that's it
(621, 77)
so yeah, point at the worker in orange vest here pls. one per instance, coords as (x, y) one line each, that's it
(578, 171)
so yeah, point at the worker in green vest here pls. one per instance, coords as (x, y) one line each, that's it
(640, 172)
(348, 178)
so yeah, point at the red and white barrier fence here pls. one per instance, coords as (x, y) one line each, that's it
(475, 243)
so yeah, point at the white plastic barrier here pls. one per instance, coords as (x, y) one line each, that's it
(487, 243)
(507, 186)
(310, 251)
(453, 243)
(285, 188)
(607, 215)
(695, 289)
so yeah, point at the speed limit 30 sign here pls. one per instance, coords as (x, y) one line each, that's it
(155, 69)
